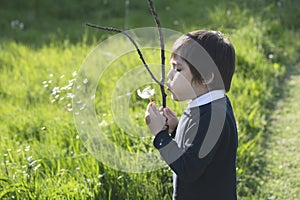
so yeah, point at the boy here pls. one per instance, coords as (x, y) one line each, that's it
(201, 147)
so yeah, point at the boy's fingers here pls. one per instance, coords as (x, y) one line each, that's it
(161, 109)
(151, 108)
(169, 113)
(147, 119)
(150, 105)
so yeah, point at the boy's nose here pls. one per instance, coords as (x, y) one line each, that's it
(171, 74)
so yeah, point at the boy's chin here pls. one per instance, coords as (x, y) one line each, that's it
(176, 99)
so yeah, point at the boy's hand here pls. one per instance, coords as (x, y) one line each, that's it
(154, 119)
(172, 120)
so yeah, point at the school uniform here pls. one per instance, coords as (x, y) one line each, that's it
(202, 154)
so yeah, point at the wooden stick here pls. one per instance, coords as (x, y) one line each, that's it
(162, 48)
(132, 41)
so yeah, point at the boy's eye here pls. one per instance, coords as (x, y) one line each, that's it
(177, 69)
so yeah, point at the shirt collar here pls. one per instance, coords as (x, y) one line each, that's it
(207, 98)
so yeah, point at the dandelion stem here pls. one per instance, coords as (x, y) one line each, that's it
(132, 41)
(162, 47)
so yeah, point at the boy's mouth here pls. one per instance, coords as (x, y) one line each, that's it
(168, 86)
(170, 90)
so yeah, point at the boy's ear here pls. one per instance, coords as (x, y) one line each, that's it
(210, 80)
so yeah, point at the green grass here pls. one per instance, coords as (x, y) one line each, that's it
(43, 156)
(281, 170)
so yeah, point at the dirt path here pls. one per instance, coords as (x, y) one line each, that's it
(282, 147)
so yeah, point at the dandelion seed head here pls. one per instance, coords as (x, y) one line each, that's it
(21, 25)
(36, 167)
(146, 93)
(82, 107)
(79, 101)
(29, 158)
(103, 123)
(55, 90)
(176, 22)
(27, 148)
(85, 81)
(70, 95)
(33, 163)
(270, 56)
(100, 175)
(74, 74)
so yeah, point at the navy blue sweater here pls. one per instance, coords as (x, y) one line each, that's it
(203, 153)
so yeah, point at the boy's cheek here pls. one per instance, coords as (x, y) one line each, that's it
(181, 89)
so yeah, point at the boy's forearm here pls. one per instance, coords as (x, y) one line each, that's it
(185, 163)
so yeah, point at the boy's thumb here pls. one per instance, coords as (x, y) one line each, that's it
(169, 113)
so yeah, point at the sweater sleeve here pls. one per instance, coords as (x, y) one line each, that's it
(188, 163)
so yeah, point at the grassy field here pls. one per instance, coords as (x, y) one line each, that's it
(42, 47)
(281, 173)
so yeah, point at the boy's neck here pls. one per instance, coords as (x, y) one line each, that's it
(200, 91)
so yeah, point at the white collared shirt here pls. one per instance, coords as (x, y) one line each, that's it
(207, 98)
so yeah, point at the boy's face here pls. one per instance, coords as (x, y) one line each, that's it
(180, 80)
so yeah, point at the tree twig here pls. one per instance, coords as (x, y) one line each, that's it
(132, 41)
(162, 47)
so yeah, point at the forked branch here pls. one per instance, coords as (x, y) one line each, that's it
(132, 41)
(162, 81)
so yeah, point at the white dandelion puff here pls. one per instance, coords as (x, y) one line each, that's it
(147, 93)
(85, 81)
(74, 74)
(55, 90)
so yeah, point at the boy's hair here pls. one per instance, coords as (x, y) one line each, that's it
(197, 48)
